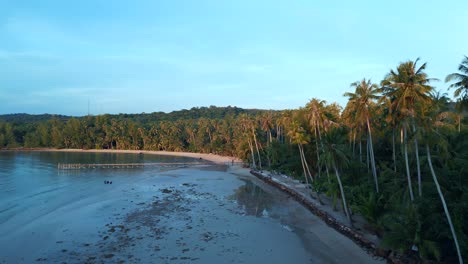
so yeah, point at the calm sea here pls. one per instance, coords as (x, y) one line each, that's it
(25, 175)
(40, 204)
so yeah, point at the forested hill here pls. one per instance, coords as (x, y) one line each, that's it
(211, 112)
(27, 118)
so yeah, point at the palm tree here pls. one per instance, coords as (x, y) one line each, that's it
(365, 93)
(246, 124)
(266, 123)
(461, 84)
(391, 119)
(299, 137)
(316, 118)
(432, 122)
(444, 204)
(408, 90)
(440, 101)
(334, 156)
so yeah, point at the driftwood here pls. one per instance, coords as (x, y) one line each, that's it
(359, 239)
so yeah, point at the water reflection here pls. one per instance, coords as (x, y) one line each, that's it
(253, 199)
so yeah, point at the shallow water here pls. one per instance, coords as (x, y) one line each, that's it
(185, 215)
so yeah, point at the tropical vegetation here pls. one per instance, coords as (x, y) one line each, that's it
(397, 153)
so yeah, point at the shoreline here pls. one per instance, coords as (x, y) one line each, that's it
(331, 219)
(218, 159)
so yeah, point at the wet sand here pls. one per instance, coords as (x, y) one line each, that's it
(209, 214)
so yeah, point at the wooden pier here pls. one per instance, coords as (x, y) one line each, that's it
(79, 166)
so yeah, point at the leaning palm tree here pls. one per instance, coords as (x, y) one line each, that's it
(299, 137)
(431, 124)
(365, 93)
(334, 156)
(461, 81)
(408, 90)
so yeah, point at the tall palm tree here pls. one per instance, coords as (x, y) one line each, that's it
(408, 90)
(299, 137)
(316, 117)
(246, 126)
(444, 204)
(431, 123)
(391, 119)
(364, 95)
(461, 78)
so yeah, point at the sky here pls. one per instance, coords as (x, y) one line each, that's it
(119, 56)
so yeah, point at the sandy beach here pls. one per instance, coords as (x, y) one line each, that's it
(209, 157)
(201, 214)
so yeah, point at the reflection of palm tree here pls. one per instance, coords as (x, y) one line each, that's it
(252, 199)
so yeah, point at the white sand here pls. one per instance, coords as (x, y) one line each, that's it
(210, 157)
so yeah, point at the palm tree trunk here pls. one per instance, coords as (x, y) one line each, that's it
(374, 171)
(418, 167)
(360, 150)
(367, 155)
(254, 166)
(343, 197)
(328, 173)
(408, 175)
(318, 152)
(258, 152)
(354, 142)
(321, 143)
(306, 165)
(393, 146)
(442, 199)
(303, 165)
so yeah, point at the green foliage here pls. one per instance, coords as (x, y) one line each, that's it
(371, 206)
(330, 138)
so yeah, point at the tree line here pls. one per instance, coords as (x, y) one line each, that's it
(396, 154)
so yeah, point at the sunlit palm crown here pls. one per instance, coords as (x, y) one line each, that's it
(408, 88)
(461, 78)
(361, 100)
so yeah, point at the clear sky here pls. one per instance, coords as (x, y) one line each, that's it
(145, 56)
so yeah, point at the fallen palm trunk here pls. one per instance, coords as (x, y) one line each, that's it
(349, 232)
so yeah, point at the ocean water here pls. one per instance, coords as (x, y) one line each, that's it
(27, 177)
(198, 214)
(40, 204)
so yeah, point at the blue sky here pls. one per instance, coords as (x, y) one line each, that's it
(147, 56)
